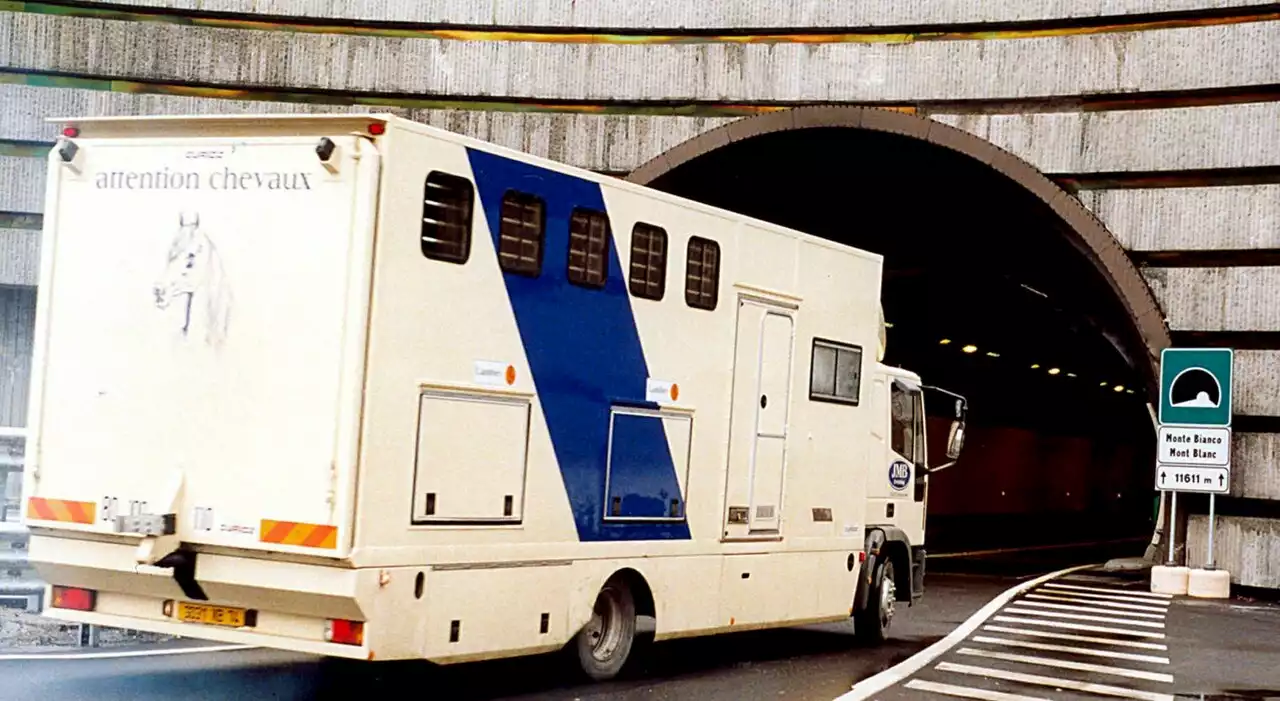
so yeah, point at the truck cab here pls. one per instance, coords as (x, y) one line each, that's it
(898, 492)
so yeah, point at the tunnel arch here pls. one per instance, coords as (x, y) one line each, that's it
(1089, 235)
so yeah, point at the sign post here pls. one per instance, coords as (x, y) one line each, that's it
(1194, 444)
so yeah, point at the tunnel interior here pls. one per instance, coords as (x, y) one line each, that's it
(989, 293)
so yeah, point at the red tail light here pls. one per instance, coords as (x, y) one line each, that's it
(345, 632)
(74, 599)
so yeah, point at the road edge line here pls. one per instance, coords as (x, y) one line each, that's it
(118, 654)
(887, 678)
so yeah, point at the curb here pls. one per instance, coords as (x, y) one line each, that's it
(879, 682)
(119, 654)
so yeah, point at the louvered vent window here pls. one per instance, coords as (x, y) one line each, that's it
(521, 233)
(588, 248)
(702, 273)
(446, 217)
(648, 278)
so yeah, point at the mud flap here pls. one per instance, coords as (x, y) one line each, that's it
(875, 541)
(918, 556)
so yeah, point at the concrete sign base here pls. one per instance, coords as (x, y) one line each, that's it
(1169, 580)
(1209, 584)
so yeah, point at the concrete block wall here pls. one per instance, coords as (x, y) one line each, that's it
(1181, 155)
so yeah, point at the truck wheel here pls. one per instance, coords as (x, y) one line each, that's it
(872, 623)
(605, 642)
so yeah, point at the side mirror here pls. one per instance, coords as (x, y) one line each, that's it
(955, 441)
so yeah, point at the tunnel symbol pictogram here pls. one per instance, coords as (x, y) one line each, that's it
(1195, 388)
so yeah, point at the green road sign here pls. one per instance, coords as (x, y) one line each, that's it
(1195, 386)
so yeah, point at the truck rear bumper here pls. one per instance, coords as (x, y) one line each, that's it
(233, 636)
(290, 602)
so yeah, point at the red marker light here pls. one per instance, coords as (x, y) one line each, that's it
(377, 128)
(71, 132)
(344, 632)
(74, 599)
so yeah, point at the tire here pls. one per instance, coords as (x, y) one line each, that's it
(605, 643)
(871, 625)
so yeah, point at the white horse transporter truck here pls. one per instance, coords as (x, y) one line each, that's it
(357, 387)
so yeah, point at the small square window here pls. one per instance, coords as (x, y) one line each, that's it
(836, 372)
(521, 232)
(648, 277)
(588, 248)
(702, 274)
(447, 204)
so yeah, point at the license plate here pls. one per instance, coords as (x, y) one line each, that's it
(211, 615)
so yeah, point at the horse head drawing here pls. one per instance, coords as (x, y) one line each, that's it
(193, 277)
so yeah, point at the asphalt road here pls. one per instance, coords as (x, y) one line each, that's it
(816, 662)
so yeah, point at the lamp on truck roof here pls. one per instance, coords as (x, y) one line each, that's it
(327, 152)
(71, 155)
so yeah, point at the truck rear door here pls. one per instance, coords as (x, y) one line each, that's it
(200, 336)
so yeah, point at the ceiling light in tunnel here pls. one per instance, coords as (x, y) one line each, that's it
(1102, 384)
(1035, 366)
(970, 349)
(993, 354)
(1118, 388)
(1128, 391)
(1071, 374)
(944, 341)
(1054, 371)
(888, 325)
(1033, 290)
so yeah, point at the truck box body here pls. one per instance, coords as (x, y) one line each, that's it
(253, 331)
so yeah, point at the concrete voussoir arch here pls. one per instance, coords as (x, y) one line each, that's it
(1092, 236)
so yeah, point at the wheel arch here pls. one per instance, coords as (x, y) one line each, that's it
(885, 541)
(640, 590)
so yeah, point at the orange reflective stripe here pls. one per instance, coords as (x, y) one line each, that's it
(61, 510)
(308, 535)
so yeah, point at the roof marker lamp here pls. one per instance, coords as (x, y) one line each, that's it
(71, 155)
(328, 153)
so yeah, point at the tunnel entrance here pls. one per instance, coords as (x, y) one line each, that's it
(998, 285)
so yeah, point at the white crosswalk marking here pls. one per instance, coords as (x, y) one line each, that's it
(966, 692)
(1109, 591)
(1055, 682)
(1100, 604)
(1070, 649)
(1058, 639)
(1166, 603)
(1076, 626)
(1137, 644)
(1082, 617)
(1116, 595)
(1068, 664)
(1094, 609)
